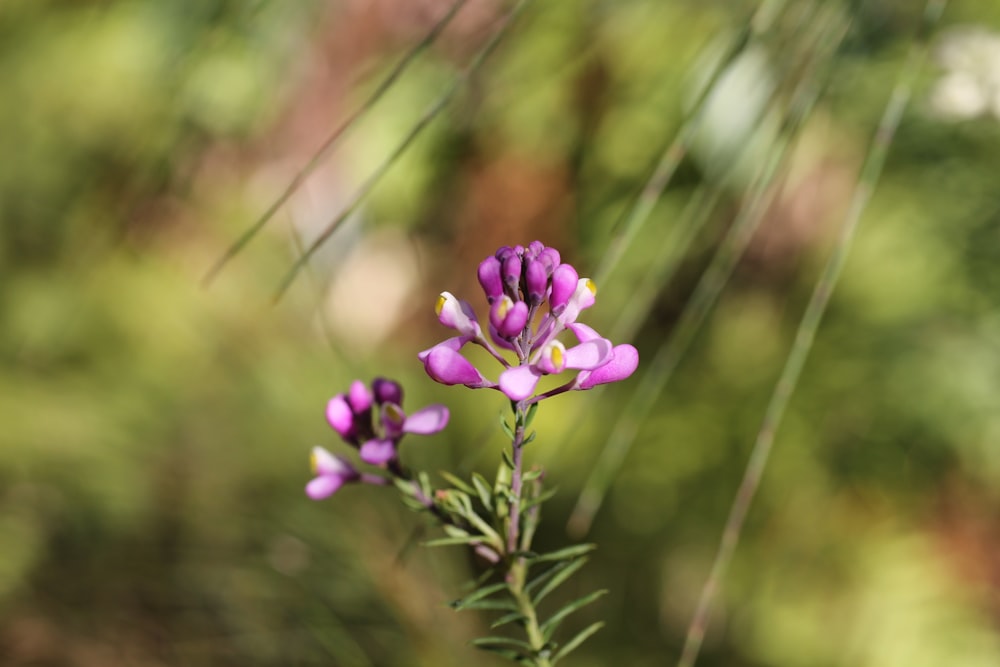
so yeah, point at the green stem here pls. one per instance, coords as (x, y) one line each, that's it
(516, 577)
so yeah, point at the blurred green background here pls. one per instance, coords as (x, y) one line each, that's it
(154, 431)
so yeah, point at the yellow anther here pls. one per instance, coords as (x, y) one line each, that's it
(591, 286)
(556, 354)
(313, 463)
(439, 306)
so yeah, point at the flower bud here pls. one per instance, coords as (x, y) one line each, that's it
(508, 316)
(536, 280)
(489, 278)
(512, 274)
(359, 398)
(387, 391)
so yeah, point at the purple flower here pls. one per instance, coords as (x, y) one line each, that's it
(331, 471)
(533, 298)
(374, 422)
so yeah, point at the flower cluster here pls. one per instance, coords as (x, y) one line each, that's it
(533, 298)
(373, 421)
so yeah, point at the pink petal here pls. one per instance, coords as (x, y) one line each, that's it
(427, 420)
(340, 416)
(323, 486)
(325, 463)
(447, 366)
(623, 363)
(455, 344)
(377, 452)
(582, 332)
(359, 398)
(564, 283)
(518, 383)
(589, 355)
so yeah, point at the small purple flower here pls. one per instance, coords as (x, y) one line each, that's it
(533, 298)
(374, 422)
(331, 472)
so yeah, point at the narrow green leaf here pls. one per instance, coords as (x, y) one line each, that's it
(508, 653)
(405, 486)
(531, 414)
(508, 618)
(539, 499)
(450, 541)
(479, 594)
(532, 475)
(529, 439)
(491, 604)
(506, 458)
(544, 576)
(573, 643)
(425, 484)
(454, 531)
(457, 482)
(549, 626)
(502, 641)
(483, 488)
(506, 427)
(566, 553)
(558, 578)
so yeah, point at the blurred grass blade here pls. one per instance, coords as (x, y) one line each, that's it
(669, 355)
(642, 202)
(429, 115)
(574, 643)
(805, 335)
(331, 141)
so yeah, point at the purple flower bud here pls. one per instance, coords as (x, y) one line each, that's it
(359, 398)
(508, 317)
(512, 274)
(340, 416)
(387, 391)
(503, 252)
(623, 362)
(564, 283)
(447, 366)
(489, 278)
(535, 248)
(550, 258)
(456, 314)
(536, 280)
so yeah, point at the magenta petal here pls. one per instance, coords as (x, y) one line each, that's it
(323, 486)
(339, 415)
(623, 363)
(427, 420)
(454, 344)
(359, 398)
(589, 355)
(489, 278)
(582, 332)
(325, 463)
(377, 452)
(564, 282)
(447, 366)
(518, 383)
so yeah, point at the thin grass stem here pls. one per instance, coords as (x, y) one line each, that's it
(804, 337)
(331, 142)
(429, 115)
(669, 355)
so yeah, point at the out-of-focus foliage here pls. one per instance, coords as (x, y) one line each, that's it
(155, 432)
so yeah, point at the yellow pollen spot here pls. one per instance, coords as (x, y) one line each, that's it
(591, 286)
(439, 306)
(505, 305)
(557, 357)
(313, 463)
